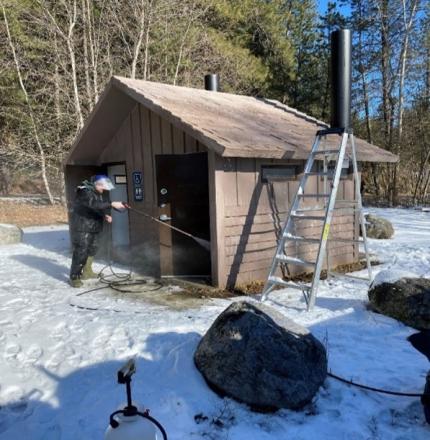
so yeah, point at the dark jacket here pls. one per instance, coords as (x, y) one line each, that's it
(89, 209)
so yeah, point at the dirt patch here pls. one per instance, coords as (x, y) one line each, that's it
(256, 287)
(197, 292)
(180, 294)
(22, 213)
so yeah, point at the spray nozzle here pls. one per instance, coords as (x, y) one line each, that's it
(125, 373)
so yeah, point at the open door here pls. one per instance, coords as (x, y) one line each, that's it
(120, 222)
(183, 200)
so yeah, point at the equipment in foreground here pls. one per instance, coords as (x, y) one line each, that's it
(325, 203)
(130, 423)
(421, 342)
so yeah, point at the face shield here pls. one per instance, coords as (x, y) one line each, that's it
(103, 182)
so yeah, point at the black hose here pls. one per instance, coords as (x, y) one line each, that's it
(119, 283)
(155, 422)
(114, 423)
(377, 390)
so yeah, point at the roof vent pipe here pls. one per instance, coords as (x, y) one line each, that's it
(341, 79)
(212, 82)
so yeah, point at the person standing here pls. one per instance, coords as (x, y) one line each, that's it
(90, 211)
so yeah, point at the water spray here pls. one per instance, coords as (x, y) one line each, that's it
(129, 423)
(203, 243)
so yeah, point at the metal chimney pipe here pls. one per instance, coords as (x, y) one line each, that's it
(341, 79)
(212, 82)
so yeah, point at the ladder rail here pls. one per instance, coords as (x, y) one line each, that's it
(327, 223)
(308, 167)
(289, 229)
(362, 223)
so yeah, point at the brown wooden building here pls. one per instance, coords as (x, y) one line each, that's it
(223, 167)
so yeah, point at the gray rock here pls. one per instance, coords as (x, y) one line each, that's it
(10, 234)
(407, 300)
(377, 227)
(259, 357)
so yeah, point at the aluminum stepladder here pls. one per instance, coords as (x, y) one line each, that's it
(299, 213)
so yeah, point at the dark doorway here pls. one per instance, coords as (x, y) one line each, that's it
(183, 200)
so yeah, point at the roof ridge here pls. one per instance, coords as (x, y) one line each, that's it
(288, 109)
(272, 102)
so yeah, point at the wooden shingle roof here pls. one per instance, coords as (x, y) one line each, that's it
(231, 125)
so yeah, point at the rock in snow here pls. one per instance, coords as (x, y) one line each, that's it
(377, 227)
(10, 234)
(405, 299)
(257, 356)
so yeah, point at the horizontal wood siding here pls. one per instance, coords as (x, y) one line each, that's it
(246, 215)
(254, 214)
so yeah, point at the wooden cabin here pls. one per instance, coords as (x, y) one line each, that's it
(220, 166)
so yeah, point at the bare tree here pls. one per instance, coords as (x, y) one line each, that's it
(29, 106)
(408, 20)
(68, 36)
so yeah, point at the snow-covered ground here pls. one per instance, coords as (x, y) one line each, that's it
(58, 362)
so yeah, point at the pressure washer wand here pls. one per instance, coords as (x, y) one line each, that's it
(204, 243)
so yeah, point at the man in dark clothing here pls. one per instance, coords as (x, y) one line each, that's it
(90, 210)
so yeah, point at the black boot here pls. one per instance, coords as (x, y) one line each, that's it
(75, 281)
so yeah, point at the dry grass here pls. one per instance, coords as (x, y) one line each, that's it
(29, 214)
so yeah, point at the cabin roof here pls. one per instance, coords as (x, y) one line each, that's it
(231, 125)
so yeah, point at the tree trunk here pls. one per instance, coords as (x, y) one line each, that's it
(138, 43)
(85, 44)
(30, 109)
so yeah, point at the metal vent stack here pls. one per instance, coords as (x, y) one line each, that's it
(341, 79)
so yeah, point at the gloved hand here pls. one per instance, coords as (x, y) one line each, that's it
(118, 205)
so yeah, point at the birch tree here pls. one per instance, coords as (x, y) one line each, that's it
(29, 106)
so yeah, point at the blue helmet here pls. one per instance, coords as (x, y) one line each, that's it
(103, 181)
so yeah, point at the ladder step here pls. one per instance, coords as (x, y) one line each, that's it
(323, 208)
(321, 173)
(280, 282)
(345, 240)
(352, 202)
(325, 152)
(292, 260)
(308, 217)
(291, 237)
(314, 208)
(313, 195)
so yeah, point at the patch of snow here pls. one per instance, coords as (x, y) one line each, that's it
(391, 276)
(58, 363)
(7, 226)
(174, 289)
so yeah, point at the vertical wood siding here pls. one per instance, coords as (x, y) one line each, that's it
(142, 136)
(246, 215)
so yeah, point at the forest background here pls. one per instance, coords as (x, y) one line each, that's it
(57, 55)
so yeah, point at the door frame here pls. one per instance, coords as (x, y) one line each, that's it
(166, 244)
(106, 166)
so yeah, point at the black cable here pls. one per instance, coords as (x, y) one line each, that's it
(155, 422)
(120, 280)
(377, 390)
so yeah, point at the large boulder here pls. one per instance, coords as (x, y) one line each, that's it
(259, 357)
(406, 299)
(10, 234)
(377, 227)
